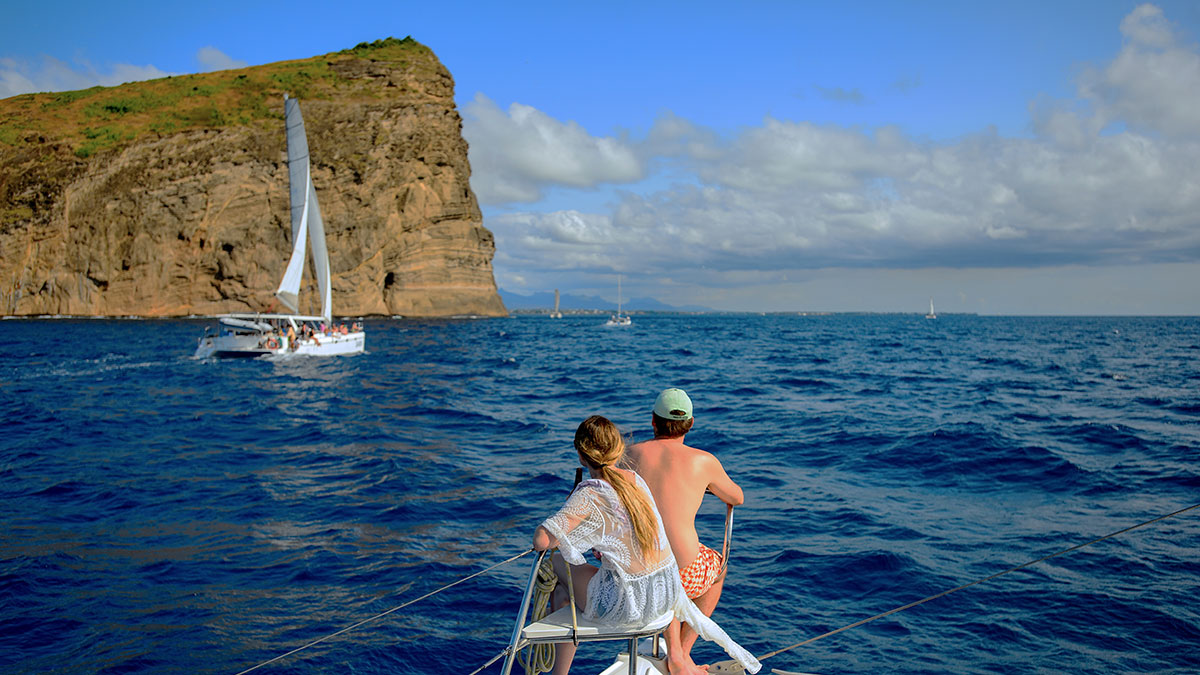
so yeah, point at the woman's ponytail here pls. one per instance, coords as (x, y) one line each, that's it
(600, 444)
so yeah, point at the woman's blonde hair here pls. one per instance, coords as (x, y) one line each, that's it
(601, 447)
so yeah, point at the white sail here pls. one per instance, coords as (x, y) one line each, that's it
(618, 319)
(307, 224)
(316, 236)
(289, 288)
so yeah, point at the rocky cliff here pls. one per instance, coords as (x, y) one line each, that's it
(170, 197)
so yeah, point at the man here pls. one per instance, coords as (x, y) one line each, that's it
(677, 476)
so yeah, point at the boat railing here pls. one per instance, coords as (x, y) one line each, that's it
(515, 645)
(728, 539)
(561, 627)
(564, 625)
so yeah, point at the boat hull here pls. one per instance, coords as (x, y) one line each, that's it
(237, 341)
(332, 345)
(242, 347)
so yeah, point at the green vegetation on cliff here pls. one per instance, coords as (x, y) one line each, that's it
(102, 119)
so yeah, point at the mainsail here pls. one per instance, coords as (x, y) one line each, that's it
(307, 225)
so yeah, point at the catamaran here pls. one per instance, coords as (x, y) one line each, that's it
(617, 319)
(253, 335)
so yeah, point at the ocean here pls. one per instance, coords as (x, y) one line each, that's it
(168, 515)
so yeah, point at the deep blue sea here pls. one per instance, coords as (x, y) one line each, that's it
(168, 515)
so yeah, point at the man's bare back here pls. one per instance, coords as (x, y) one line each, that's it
(678, 475)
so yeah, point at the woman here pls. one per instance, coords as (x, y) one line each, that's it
(638, 580)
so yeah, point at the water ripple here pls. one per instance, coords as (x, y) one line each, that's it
(167, 514)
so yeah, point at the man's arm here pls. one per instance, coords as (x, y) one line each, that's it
(721, 484)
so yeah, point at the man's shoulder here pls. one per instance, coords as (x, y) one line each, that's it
(693, 451)
(681, 453)
(662, 446)
(650, 446)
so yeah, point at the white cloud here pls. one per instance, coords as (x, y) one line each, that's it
(793, 196)
(561, 240)
(13, 80)
(1070, 289)
(1147, 26)
(789, 196)
(1153, 83)
(1063, 124)
(211, 58)
(124, 72)
(51, 74)
(516, 154)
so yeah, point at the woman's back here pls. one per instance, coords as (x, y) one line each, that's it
(633, 585)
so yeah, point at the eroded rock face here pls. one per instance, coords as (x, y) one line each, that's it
(196, 221)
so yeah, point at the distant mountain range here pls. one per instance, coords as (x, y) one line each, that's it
(568, 302)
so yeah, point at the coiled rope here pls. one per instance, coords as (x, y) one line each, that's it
(347, 629)
(540, 658)
(956, 589)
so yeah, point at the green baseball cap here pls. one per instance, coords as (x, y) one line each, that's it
(673, 404)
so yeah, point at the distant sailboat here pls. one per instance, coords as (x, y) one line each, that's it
(252, 335)
(931, 314)
(556, 314)
(617, 319)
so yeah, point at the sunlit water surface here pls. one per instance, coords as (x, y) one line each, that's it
(164, 514)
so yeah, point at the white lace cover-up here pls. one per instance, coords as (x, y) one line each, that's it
(630, 588)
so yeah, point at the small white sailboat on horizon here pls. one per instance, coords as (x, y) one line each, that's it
(556, 314)
(618, 319)
(253, 335)
(931, 314)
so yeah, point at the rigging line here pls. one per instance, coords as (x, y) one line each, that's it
(383, 614)
(494, 659)
(978, 581)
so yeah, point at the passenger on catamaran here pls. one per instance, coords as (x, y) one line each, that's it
(638, 580)
(678, 476)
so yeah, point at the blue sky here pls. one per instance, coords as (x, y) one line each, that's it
(1014, 158)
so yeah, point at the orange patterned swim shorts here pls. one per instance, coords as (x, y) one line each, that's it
(699, 576)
